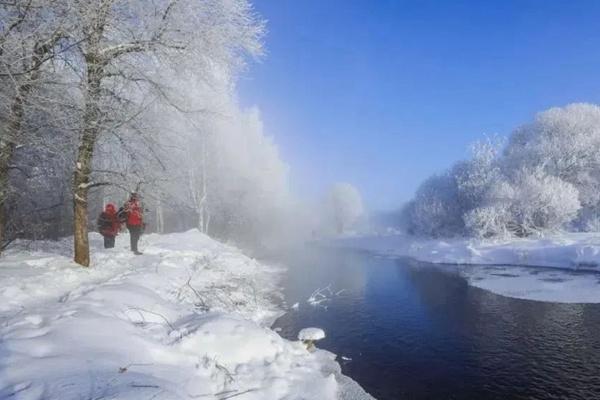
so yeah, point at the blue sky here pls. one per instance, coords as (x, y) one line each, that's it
(383, 93)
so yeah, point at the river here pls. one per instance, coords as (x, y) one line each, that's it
(404, 329)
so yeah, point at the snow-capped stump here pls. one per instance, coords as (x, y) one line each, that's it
(309, 336)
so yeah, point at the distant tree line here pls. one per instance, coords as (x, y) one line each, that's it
(544, 178)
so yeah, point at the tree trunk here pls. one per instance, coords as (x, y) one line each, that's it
(204, 218)
(81, 181)
(83, 168)
(2, 228)
(6, 150)
(207, 223)
(201, 220)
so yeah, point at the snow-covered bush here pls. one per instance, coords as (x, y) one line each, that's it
(489, 221)
(475, 176)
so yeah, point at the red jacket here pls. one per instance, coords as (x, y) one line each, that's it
(134, 212)
(108, 222)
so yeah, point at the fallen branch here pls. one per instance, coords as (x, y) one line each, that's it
(238, 394)
(135, 385)
(138, 309)
(222, 368)
(202, 302)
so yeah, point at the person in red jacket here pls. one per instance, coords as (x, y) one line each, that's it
(134, 218)
(109, 225)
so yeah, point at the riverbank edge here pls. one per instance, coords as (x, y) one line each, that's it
(571, 251)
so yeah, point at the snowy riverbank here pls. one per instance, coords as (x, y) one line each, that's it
(188, 319)
(579, 251)
(571, 263)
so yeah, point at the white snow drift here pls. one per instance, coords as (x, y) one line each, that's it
(187, 320)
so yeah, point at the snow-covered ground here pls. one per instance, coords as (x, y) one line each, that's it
(187, 320)
(508, 267)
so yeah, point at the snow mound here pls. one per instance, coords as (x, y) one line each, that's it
(188, 319)
(311, 334)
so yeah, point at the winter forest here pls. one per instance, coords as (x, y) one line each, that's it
(101, 100)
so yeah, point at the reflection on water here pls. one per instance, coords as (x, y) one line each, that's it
(413, 330)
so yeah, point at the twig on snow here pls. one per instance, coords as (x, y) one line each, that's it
(139, 310)
(238, 394)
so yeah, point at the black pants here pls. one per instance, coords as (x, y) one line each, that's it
(109, 242)
(134, 236)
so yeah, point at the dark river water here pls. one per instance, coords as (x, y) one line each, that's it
(410, 330)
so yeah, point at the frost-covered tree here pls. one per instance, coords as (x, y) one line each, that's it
(345, 206)
(475, 176)
(565, 143)
(435, 209)
(546, 179)
(250, 190)
(442, 200)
